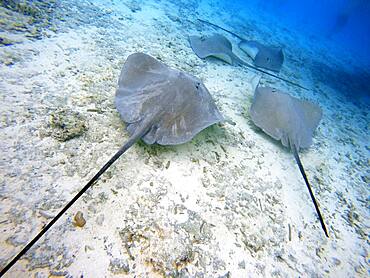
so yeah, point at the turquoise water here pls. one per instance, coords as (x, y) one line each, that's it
(231, 202)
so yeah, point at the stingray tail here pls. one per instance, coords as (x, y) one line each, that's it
(298, 160)
(135, 137)
(271, 74)
(219, 27)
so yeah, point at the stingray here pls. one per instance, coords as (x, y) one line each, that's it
(220, 47)
(264, 56)
(159, 105)
(289, 120)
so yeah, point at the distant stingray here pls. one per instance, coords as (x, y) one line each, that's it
(290, 120)
(264, 56)
(268, 57)
(160, 105)
(220, 47)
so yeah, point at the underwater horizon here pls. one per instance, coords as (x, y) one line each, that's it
(184, 138)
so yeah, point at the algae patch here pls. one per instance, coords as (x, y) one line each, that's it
(66, 124)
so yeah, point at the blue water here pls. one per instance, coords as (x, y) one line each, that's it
(345, 23)
(333, 34)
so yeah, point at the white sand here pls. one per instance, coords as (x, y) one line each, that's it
(219, 205)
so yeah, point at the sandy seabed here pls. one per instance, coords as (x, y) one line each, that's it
(230, 203)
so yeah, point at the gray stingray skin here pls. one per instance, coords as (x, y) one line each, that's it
(214, 46)
(285, 118)
(169, 105)
(268, 57)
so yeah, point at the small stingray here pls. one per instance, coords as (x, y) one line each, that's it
(290, 120)
(220, 47)
(264, 56)
(160, 105)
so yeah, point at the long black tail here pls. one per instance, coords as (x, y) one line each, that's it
(270, 74)
(125, 147)
(217, 26)
(296, 156)
(249, 65)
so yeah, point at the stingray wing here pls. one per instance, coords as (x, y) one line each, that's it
(179, 104)
(264, 56)
(310, 116)
(140, 76)
(216, 46)
(266, 113)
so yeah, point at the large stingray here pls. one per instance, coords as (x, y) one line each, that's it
(220, 47)
(160, 105)
(289, 120)
(264, 56)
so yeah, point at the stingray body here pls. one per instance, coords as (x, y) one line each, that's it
(264, 56)
(220, 47)
(289, 120)
(160, 105)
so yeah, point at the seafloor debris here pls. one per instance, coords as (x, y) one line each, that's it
(66, 124)
(117, 266)
(29, 18)
(79, 219)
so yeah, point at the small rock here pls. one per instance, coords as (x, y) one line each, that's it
(79, 219)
